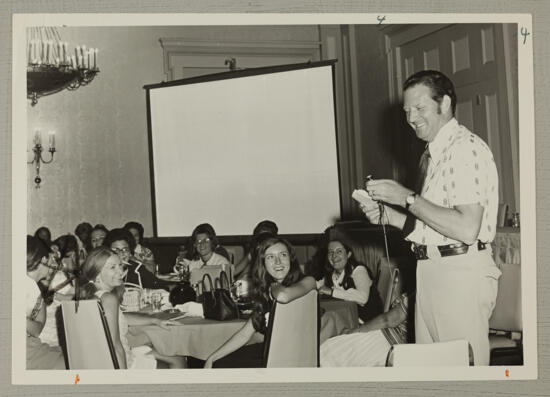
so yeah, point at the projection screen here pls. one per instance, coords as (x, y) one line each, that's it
(235, 148)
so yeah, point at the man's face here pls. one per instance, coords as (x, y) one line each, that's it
(424, 114)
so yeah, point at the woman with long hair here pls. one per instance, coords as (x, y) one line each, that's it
(39, 265)
(276, 275)
(61, 286)
(101, 274)
(345, 278)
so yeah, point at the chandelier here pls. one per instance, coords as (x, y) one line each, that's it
(51, 67)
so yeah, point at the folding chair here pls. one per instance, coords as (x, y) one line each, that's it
(292, 338)
(88, 340)
(451, 353)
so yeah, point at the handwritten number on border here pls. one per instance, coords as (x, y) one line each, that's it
(381, 19)
(524, 33)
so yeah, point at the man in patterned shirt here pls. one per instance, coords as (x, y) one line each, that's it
(450, 223)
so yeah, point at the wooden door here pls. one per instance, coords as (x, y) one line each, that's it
(469, 54)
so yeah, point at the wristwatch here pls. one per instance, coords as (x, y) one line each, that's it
(410, 200)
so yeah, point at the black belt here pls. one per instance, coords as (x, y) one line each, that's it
(421, 251)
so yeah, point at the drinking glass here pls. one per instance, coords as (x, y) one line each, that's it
(156, 301)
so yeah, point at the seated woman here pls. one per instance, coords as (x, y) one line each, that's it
(141, 253)
(369, 344)
(61, 287)
(102, 273)
(275, 275)
(203, 250)
(44, 234)
(82, 232)
(98, 234)
(261, 230)
(39, 263)
(123, 243)
(345, 278)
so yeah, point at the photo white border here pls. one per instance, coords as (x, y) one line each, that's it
(527, 207)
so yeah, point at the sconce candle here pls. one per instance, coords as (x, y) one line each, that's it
(52, 139)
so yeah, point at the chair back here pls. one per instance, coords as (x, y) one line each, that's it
(292, 338)
(388, 279)
(507, 312)
(88, 340)
(451, 353)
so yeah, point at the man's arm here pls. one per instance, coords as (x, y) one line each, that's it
(462, 222)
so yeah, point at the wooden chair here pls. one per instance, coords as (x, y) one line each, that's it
(292, 338)
(505, 324)
(88, 340)
(451, 353)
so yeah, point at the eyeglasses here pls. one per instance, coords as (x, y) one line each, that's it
(124, 250)
(271, 258)
(337, 251)
(203, 241)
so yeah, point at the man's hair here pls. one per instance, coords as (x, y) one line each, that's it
(439, 84)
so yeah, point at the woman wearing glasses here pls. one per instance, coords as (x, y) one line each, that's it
(276, 275)
(123, 243)
(203, 250)
(39, 264)
(347, 279)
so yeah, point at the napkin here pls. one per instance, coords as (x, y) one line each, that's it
(194, 309)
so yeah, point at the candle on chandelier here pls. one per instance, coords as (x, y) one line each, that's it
(95, 57)
(77, 54)
(65, 60)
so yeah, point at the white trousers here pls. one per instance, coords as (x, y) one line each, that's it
(368, 349)
(455, 297)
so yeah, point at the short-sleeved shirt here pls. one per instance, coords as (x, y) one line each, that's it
(461, 171)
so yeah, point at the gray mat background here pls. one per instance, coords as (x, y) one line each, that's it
(541, 25)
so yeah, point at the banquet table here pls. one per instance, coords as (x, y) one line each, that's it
(199, 337)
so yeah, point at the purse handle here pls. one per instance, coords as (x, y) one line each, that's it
(223, 277)
(204, 277)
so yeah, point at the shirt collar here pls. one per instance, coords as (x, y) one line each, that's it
(442, 139)
(337, 280)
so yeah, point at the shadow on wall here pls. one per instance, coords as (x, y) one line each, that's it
(402, 145)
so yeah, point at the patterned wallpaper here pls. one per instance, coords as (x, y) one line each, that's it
(101, 169)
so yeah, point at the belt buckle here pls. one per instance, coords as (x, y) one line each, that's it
(420, 251)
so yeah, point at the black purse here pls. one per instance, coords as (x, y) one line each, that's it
(216, 302)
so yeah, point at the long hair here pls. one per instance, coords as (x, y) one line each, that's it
(95, 261)
(262, 280)
(135, 225)
(351, 264)
(36, 250)
(66, 244)
(205, 228)
(44, 229)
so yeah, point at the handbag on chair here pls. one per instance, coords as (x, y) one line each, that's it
(217, 303)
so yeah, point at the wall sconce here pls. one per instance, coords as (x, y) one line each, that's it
(37, 150)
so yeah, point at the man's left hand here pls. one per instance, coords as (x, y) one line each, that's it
(388, 191)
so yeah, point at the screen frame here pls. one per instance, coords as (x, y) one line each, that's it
(231, 75)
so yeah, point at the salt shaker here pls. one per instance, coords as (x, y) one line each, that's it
(515, 220)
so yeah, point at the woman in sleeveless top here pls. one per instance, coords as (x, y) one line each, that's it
(102, 273)
(276, 275)
(347, 279)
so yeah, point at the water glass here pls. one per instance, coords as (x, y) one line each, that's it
(156, 301)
